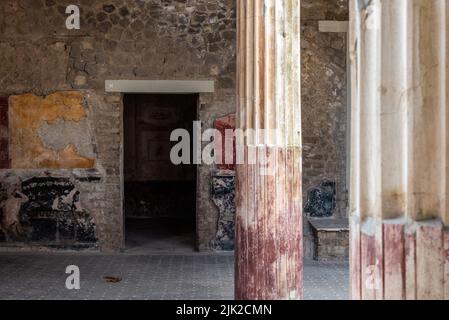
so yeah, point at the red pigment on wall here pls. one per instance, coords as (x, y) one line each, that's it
(4, 134)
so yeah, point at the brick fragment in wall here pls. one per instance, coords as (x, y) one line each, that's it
(4, 134)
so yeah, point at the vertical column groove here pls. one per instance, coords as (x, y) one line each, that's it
(399, 156)
(269, 214)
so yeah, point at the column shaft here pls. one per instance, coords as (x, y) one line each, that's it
(269, 207)
(399, 157)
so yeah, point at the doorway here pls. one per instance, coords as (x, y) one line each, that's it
(159, 197)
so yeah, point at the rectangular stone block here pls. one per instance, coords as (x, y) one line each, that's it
(331, 239)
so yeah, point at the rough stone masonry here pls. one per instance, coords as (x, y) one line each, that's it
(61, 135)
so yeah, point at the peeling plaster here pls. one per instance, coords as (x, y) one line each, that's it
(74, 133)
(28, 113)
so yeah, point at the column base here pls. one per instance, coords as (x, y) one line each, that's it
(399, 260)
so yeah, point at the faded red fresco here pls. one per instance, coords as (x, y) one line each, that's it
(4, 134)
(223, 124)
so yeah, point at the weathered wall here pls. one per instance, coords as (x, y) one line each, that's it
(163, 39)
(324, 113)
(65, 206)
(118, 39)
(49, 132)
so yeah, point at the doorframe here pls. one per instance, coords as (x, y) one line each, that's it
(123, 87)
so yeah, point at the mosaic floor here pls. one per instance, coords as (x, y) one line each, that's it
(158, 276)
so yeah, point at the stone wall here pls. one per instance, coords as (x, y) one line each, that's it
(118, 39)
(48, 197)
(162, 39)
(324, 114)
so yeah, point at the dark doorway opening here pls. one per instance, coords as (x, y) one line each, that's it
(160, 197)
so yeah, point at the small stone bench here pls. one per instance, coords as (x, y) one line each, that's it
(331, 239)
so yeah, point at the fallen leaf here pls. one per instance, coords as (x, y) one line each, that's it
(112, 279)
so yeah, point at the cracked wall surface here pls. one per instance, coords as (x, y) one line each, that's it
(53, 149)
(56, 199)
(120, 39)
(157, 40)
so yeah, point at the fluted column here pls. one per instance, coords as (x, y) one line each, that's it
(399, 163)
(269, 214)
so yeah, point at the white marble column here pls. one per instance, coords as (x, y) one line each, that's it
(399, 162)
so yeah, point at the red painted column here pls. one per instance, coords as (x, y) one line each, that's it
(269, 200)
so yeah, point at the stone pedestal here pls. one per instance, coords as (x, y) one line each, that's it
(331, 239)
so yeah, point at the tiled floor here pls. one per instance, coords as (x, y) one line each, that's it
(158, 276)
(326, 280)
